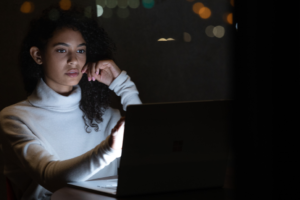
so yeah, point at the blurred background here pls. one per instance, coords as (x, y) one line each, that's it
(173, 50)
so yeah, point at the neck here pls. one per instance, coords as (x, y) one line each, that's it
(64, 90)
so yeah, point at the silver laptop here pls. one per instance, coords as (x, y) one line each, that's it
(171, 147)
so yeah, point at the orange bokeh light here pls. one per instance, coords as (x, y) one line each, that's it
(229, 18)
(232, 2)
(65, 4)
(27, 7)
(197, 6)
(204, 12)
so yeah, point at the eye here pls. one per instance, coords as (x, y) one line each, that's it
(81, 51)
(61, 50)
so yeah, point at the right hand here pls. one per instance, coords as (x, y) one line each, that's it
(117, 135)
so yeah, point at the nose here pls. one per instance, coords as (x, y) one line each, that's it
(72, 58)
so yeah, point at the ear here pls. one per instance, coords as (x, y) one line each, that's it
(36, 55)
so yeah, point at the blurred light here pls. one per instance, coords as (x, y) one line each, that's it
(27, 7)
(123, 12)
(162, 39)
(99, 10)
(190, 0)
(100, 3)
(111, 3)
(197, 6)
(236, 26)
(232, 2)
(187, 37)
(229, 18)
(134, 3)
(88, 11)
(170, 39)
(107, 13)
(53, 14)
(204, 12)
(65, 4)
(148, 3)
(209, 31)
(122, 3)
(219, 31)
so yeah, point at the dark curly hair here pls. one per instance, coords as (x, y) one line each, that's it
(95, 96)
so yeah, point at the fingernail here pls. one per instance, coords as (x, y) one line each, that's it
(89, 78)
(94, 79)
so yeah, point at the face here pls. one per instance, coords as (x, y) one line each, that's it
(63, 59)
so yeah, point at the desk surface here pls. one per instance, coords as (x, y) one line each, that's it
(225, 193)
(207, 194)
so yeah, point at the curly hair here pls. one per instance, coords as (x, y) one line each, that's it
(95, 96)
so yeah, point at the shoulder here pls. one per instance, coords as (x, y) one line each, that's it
(16, 110)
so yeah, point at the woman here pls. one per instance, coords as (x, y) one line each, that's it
(65, 130)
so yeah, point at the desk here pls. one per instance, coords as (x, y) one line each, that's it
(225, 193)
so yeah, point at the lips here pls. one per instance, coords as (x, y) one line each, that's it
(72, 72)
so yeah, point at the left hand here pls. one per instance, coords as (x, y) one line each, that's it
(104, 71)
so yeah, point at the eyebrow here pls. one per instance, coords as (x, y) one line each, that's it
(67, 45)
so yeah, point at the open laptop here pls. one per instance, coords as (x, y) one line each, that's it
(171, 147)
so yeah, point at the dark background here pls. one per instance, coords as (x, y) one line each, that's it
(202, 69)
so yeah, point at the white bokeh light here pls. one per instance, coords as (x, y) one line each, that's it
(209, 31)
(219, 31)
(99, 10)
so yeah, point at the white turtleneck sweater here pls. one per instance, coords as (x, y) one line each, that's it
(45, 144)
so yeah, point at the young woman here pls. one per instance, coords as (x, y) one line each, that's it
(65, 130)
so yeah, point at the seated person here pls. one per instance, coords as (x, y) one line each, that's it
(65, 130)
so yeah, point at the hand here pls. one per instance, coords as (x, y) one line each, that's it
(104, 71)
(117, 135)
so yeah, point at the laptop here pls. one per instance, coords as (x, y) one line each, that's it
(170, 147)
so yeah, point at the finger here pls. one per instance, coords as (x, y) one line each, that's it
(93, 70)
(120, 123)
(89, 72)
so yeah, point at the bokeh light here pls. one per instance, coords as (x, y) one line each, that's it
(99, 10)
(65, 4)
(123, 12)
(204, 12)
(170, 39)
(111, 3)
(209, 31)
(107, 12)
(148, 3)
(101, 3)
(27, 7)
(88, 11)
(122, 3)
(187, 37)
(53, 14)
(197, 6)
(219, 31)
(229, 18)
(134, 3)
(232, 2)
(162, 39)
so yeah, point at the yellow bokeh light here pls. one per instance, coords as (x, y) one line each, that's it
(27, 7)
(232, 2)
(229, 18)
(204, 12)
(197, 6)
(65, 4)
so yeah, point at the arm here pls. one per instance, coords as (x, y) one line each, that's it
(125, 88)
(32, 156)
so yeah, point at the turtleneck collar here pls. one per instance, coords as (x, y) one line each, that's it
(43, 96)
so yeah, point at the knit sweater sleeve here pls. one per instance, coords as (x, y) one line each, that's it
(125, 88)
(30, 153)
